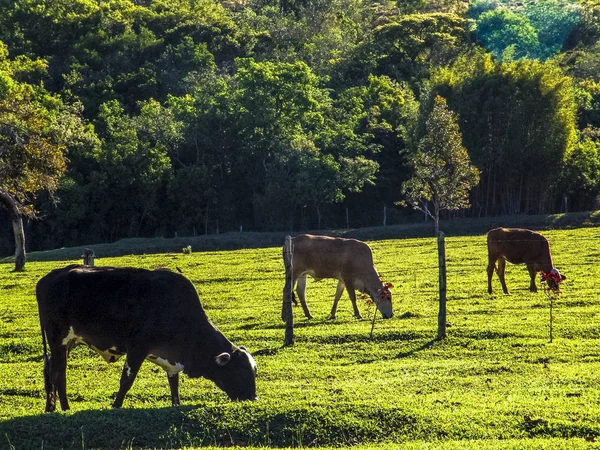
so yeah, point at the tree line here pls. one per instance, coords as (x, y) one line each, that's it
(141, 118)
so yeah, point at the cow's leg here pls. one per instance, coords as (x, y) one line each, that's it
(490, 273)
(301, 291)
(352, 294)
(58, 378)
(532, 274)
(501, 273)
(49, 386)
(132, 365)
(338, 293)
(174, 386)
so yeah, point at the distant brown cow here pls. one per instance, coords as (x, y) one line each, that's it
(521, 246)
(349, 261)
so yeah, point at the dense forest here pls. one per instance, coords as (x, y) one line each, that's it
(142, 118)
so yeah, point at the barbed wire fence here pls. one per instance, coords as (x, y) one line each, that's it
(454, 271)
(424, 278)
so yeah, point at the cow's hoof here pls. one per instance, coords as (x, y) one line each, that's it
(359, 317)
(332, 317)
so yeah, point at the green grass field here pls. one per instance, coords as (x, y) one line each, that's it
(495, 382)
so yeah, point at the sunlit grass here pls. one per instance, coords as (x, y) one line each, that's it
(495, 382)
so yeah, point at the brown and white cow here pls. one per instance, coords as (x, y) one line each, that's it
(154, 315)
(348, 260)
(521, 246)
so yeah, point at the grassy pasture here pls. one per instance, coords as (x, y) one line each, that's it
(495, 382)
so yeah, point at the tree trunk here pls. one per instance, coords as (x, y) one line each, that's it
(17, 221)
(436, 216)
(442, 274)
(318, 217)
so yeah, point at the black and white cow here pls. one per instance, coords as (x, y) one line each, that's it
(154, 315)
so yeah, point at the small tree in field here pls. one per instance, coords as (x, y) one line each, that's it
(442, 170)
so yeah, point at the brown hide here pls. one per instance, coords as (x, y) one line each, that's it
(348, 260)
(517, 246)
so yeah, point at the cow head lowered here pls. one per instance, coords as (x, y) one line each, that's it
(383, 300)
(234, 373)
(350, 261)
(553, 279)
(154, 315)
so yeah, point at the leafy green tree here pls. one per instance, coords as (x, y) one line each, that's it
(584, 67)
(581, 178)
(587, 30)
(505, 33)
(375, 121)
(554, 21)
(442, 170)
(278, 106)
(518, 121)
(35, 128)
(193, 196)
(125, 176)
(413, 43)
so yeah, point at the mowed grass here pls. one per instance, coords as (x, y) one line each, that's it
(495, 382)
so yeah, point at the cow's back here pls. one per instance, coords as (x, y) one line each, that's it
(518, 246)
(118, 303)
(327, 257)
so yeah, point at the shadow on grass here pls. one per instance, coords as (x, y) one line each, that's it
(231, 424)
(115, 429)
(298, 323)
(420, 348)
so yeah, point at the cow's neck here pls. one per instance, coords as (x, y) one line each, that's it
(372, 283)
(546, 265)
(202, 350)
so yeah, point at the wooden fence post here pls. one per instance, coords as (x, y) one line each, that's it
(442, 268)
(287, 315)
(88, 257)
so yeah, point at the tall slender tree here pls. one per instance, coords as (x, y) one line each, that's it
(442, 171)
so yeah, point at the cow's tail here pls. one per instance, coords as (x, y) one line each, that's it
(47, 382)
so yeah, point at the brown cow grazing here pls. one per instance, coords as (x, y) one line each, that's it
(348, 260)
(154, 315)
(521, 246)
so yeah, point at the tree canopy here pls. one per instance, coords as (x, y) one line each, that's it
(442, 171)
(123, 118)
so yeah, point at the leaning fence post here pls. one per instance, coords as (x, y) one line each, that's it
(442, 268)
(287, 314)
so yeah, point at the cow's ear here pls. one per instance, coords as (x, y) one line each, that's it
(222, 359)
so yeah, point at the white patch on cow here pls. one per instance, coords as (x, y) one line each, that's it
(128, 369)
(171, 369)
(110, 355)
(72, 339)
